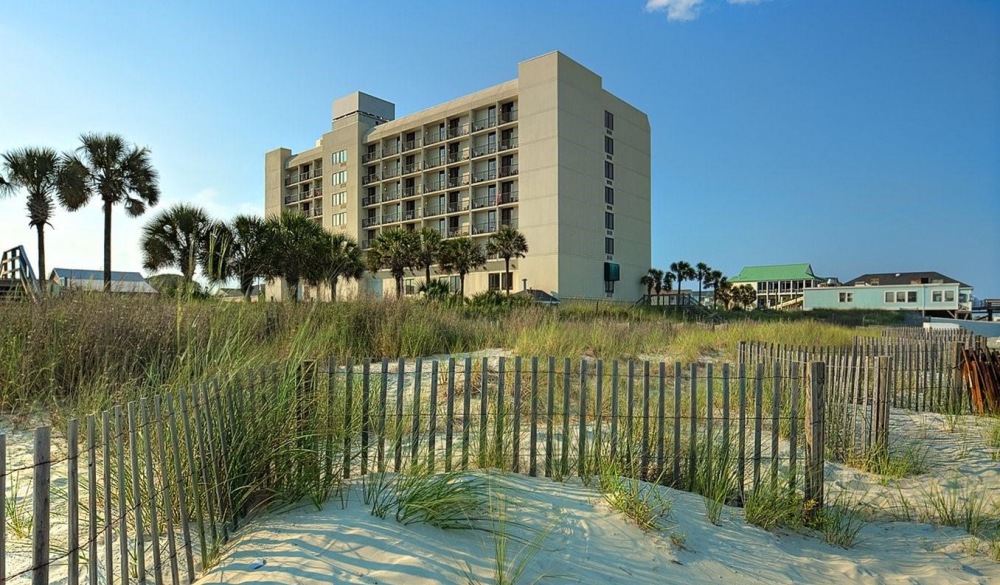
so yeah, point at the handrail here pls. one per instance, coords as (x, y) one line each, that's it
(14, 265)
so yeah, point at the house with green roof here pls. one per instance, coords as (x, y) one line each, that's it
(778, 286)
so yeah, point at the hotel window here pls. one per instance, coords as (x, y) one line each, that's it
(609, 120)
(499, 280)
(847, 297)
(340, 198)
(890, 297)
(911, 296)
(340, 157)
(609, 195)
(900, 296)
(609, 145)
(609, 170)
(936, 296)
(609, 220)
(609, 245)
(949, 296)
(339, 178)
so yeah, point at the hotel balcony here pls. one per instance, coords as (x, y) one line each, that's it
(508, 117)
(454, 157)
(432, 186)
(371, 200)
(411, 144)
(390, 218)
(370, 156)
(289, 199)
(507, 197)
(390, 173)
(390, 196)
(366, 244)
(434, 136)
(457, 181)
(390, 150)
(508, 171)
(432, 210)
(508, 144)
(410, 191)
(317, 212)
(461, 130)
(483, 150)
(484, 123)
(430, 163)
(458, 232)
(369, 222)
(411, 168)
(456, 207)
(369, 179)
(410, 215)
(486, 227)
(480, 202)
(487, 175)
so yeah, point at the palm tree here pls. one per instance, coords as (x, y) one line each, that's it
(461, 255)
(649, 280)
(237, 250)
(702, 273)
(683, 271)
(744, 296)
(713, 279)
(657, 275)
(36, 170)
(176, 237)
(344, 260)
(429, 252)
(723, 293)
(507, 243)
(296, 250)
(396, 250)
(105, 166)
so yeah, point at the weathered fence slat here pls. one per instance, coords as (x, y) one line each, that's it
(41, 507)
(581, 466)
(72, 501)
(533, 431)
(814, 436)
(449, 430)
(154, 524)
(516, 422)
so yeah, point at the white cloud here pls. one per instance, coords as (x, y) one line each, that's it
(676, 9)
(684, 10)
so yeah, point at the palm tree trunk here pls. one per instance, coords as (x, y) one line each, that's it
(245, 285)
(461, 284)
(427, 274)
(107, 246)
(399, 287)
(506, 263)
(333, 290)
(41, 256)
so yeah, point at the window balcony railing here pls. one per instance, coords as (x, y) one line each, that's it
(390, 196)
(456, 131)
(303, 195)
(455, 232)
(484, 228)
(390, 150)
(369, 179)
(456, 207)
(411, 168)
(430, 163)
(487, 175)
(508, 143)
(289, 199)
(479, 202)
(434, 136)
(484, 123)
(317, 193)
(508, 116)
(433, 186)
(508, 171)
(317, 174)
(369, 221)
(388, 173)
(390, 218)
(432, 210)
(457, 181)
(511, 223)
(409, 191)
(317, 212)
(454, 157)
(483, 150)
(370, 200)
(369, 156)
(366, 244)
(411, 144)
(409, 215)
(508, 197)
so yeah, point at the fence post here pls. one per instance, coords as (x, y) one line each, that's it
(815, 411)
(880, 407)
(40, 517)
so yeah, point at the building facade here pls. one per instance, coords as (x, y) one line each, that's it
(551, 153)
(929, 293)
(779, 286)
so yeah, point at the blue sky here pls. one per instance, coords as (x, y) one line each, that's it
(857, 135)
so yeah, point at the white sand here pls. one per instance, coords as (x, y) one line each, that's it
(589, 543)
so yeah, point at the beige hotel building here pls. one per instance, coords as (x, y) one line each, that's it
(551, 153)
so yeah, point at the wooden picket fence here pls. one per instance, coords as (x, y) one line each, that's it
(150, 491)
